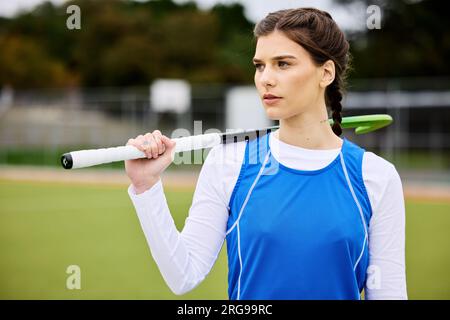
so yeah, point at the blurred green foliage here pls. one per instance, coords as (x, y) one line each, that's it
(414, 40)
(128, 43)
(125, 43)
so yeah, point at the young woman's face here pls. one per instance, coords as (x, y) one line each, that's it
(284, 69)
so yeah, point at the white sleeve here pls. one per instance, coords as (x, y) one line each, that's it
(386, 278)
(184, 259)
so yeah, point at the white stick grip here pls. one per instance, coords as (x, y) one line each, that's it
(201, 141)
(88, 158)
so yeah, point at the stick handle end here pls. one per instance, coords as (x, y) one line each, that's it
(67, 161)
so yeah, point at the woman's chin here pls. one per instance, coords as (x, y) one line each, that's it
(273, 114)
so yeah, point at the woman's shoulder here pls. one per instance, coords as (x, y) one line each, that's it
(228, 154)
(374, 167)
(377, 167)
(221, 169)
(381, 179)
(375, 162)
(224, 161)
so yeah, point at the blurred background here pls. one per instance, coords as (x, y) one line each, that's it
(98, 75)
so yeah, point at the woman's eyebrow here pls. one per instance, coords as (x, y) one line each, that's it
(287, 56)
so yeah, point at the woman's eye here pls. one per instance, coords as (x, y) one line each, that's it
(282, 64)
(258, 66)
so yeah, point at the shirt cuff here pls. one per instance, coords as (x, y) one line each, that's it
(147, 196)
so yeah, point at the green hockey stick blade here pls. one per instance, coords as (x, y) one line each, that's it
(365, 123)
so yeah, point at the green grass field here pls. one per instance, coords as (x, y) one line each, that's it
(45, 227)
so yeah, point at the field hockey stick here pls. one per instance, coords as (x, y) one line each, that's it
(87, 158)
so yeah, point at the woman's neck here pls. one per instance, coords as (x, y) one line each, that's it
(309, 131)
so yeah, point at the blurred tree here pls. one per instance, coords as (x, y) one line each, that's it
(24, 64)
(236, 47)
(189, 45)
(124, 42)
(131, 60)
(46, 25)
(414, 40)
(102, 28)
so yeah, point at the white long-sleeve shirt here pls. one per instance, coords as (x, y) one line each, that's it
(185, 258)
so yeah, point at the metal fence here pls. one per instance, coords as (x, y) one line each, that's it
(51, 120)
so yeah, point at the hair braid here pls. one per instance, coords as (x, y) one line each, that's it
(333, 95)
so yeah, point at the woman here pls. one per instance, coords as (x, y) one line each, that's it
(314, 217)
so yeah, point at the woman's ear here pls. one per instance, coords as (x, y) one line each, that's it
(327, 73)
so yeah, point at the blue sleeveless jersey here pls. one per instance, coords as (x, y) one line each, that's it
(295, 234)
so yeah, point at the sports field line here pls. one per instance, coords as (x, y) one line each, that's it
(108, 177)
(173, 179)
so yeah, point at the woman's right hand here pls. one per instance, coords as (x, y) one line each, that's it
(160, 152)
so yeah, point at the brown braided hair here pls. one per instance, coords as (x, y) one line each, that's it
(316, 31)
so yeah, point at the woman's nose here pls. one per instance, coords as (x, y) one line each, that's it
(267, 78)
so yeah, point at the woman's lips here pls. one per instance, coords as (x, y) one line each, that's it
(271, 101)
